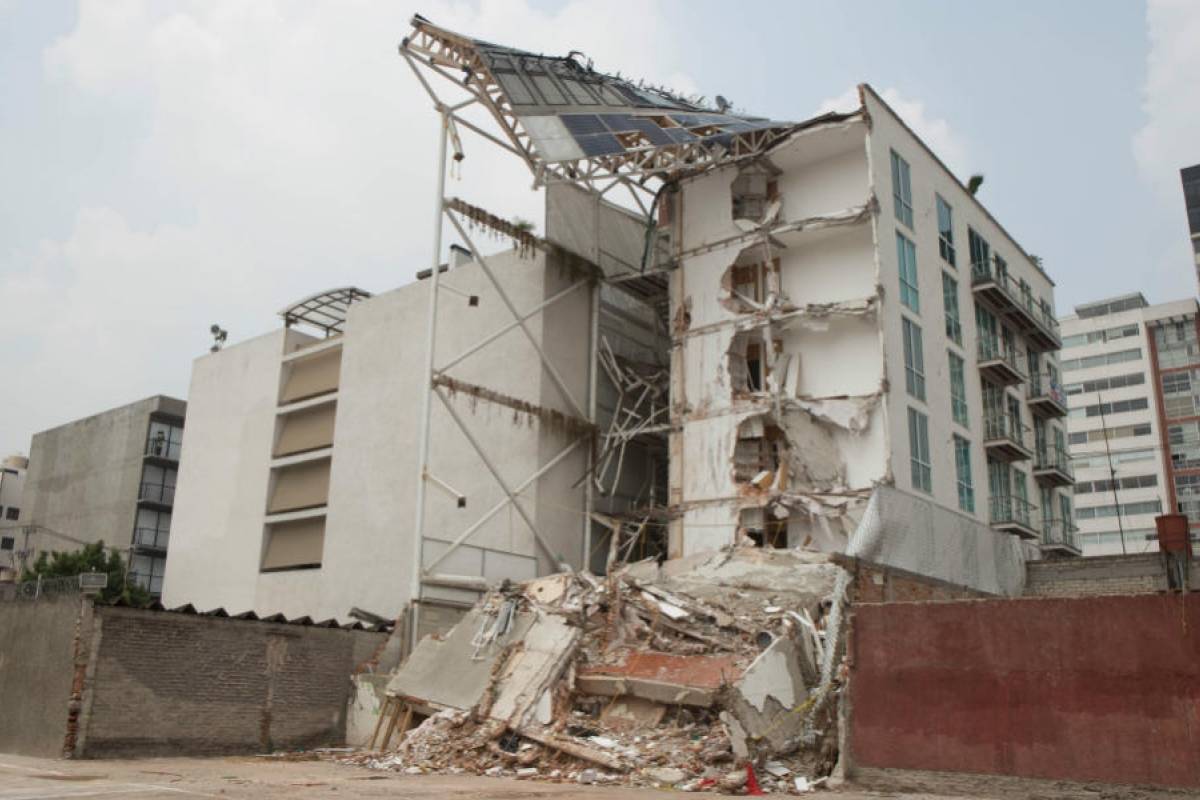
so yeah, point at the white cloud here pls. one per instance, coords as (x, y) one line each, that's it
(1170, 139)
(277, 149)
(934, 131)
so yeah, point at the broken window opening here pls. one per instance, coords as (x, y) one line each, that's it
(753, 191)
(760, 453)
(750, 281)
(749, 366)
(763, 529)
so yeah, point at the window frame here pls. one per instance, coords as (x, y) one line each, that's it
(950, 308)
(914, 359)
(920, 461)
(902, 189)
(945, 224)
(962, 474)
(906, 266)
(959, 409)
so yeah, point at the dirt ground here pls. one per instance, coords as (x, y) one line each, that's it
(24, 778)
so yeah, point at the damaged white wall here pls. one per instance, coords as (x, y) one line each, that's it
(817, 340)
(811, 327)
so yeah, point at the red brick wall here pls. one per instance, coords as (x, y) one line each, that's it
(1086, 689)
(874, 583)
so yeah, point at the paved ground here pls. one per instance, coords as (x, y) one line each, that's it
(24, 778)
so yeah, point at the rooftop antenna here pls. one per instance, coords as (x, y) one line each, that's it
(219, 335)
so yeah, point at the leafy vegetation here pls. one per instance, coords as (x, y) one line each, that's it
(93, 557)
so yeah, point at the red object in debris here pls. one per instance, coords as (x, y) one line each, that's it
(701, 672)
(752, 786)
(1173, 533)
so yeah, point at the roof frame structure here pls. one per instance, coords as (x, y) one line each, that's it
(325, 310)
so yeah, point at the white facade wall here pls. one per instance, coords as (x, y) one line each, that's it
(930, 179)
(218, 533)
(1132, 457)
(839, 322)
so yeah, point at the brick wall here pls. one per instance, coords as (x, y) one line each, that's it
(165, 683)
(1085, 689)
(37, 640)
(875, 583)
(1101, 575)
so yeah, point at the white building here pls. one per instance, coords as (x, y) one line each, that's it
(1131, 372)
(813, 336)
(297, 485)
(848, 315)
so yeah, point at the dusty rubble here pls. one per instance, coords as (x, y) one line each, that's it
(677, 675)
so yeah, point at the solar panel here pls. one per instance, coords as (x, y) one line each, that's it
(583, 124)
(619, 123)
(600, 144)
(679, 135)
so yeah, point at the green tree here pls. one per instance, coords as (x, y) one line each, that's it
(93, 557)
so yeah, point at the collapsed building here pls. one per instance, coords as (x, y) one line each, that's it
(734, 330)
(860, 368)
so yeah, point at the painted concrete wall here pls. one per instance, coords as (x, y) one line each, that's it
(84, 476)
(930, 179)
(217, 523)
(1087, 689)
(368, 544)
(36, 670)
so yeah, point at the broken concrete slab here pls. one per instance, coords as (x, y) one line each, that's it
(530, 670)
(661, 678)
(769, 691)
(447, 672)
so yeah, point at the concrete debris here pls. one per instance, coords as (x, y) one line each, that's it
(681, 675)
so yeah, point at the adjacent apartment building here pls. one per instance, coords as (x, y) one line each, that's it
(1191, 200)
(12, 481)
(109, 477)
(1132, 378)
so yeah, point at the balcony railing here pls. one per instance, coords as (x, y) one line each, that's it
(1052, 466)
(1007, 510)
(1046, 395)
(159, 493)
(1001, 361)
(1000, 426)
(162, 448)
(1059, 533)
(984, 275)
(151, 537)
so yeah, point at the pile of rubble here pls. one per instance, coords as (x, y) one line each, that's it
(702, 673)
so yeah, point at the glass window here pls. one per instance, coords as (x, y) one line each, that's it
(945, 218)
(902, 189)
(914, 360)
(962, 467)
(958, 391)
(980, 252)
(906, 257)
(918, 446)
(164, 440)
(950, 304)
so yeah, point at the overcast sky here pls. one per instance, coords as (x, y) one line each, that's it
(167, 165)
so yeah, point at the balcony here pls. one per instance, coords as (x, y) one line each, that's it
(151, 539)
(158, 494)
(1052, 467)
(1012, 515)
(1016, 304)
(1005, 438)
(1058, 538)
(999, 364)
(1046, 397)
(162, 450)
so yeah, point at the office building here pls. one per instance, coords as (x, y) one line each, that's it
(1131, 373)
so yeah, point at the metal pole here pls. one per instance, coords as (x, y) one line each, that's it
(589, 486)
(1112, 473)
(427, 383)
